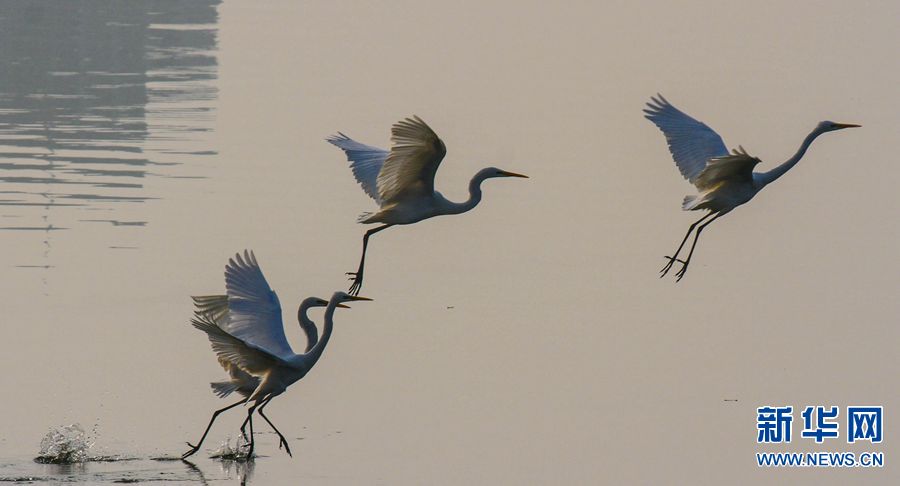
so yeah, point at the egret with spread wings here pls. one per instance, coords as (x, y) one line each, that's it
(247, 334)
(215, 308)
(401, 180)
(724, 181)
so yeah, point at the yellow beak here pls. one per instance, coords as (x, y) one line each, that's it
(352, 297)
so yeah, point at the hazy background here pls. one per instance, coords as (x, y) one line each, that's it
(527, 342)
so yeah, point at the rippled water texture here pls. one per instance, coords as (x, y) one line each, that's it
(100, 102)
(97, 99)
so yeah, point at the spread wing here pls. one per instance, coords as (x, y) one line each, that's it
(214, 309)
(414, 159)
(737, 167)
(216, 306)
(691, 142)
(233, 350)
(365, 161)
(254, 312)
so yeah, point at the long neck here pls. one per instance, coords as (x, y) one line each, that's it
(315, 353)
(474, 196)
(765, 178)
(308, 326)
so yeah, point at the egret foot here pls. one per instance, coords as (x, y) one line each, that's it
(191, 452)
(357, 278)
(283, 442)
(668, 266)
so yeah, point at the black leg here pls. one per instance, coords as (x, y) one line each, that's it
(249, 418)
(283, 441)
(357, 276)
(244, 426)
(687, 261)
(252, 440)
(195, 448)
(672, 259)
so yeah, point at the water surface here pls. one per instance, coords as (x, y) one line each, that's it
(529, 341)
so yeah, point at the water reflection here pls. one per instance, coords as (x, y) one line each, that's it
(96, 97)
(195, 470)
(242, 470)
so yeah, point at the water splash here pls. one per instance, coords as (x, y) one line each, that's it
(240, 452)
(67, 444)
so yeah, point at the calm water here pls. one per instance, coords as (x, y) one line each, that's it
(529, 341)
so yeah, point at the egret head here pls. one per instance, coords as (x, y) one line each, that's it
(310, 302)
(830, 126)
(490, 172)
(340, 297)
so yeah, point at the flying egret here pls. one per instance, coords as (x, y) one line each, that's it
(250, 338)
(216, 308)
(724, 181)
(402, 181)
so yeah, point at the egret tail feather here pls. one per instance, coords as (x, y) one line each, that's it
(223, 388)
(689, 203)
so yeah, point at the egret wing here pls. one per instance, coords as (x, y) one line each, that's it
(737, 167)
(233, 350)
(691, 142)
(365, 161)
(254, 310)
(214, 305)
(414, 159)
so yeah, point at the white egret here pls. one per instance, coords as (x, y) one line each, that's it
(216, 308)
(250, 339)
(724, 181)
(401, 180)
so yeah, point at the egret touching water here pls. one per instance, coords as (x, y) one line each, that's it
(215, 308)
(246, 332)
(401, 180)
(724, 181)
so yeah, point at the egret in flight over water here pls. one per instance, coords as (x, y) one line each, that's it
(248, 337)
(724, 181)
(401, 180)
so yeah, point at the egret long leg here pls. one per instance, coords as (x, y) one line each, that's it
(357, 276)
(244, 426)
(672, 259)
(195, 448)
(687, 261)
(281, 438)
(250, 421)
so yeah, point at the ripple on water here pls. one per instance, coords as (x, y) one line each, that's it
(98, 99)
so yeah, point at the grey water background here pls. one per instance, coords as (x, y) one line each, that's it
(526, 342)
